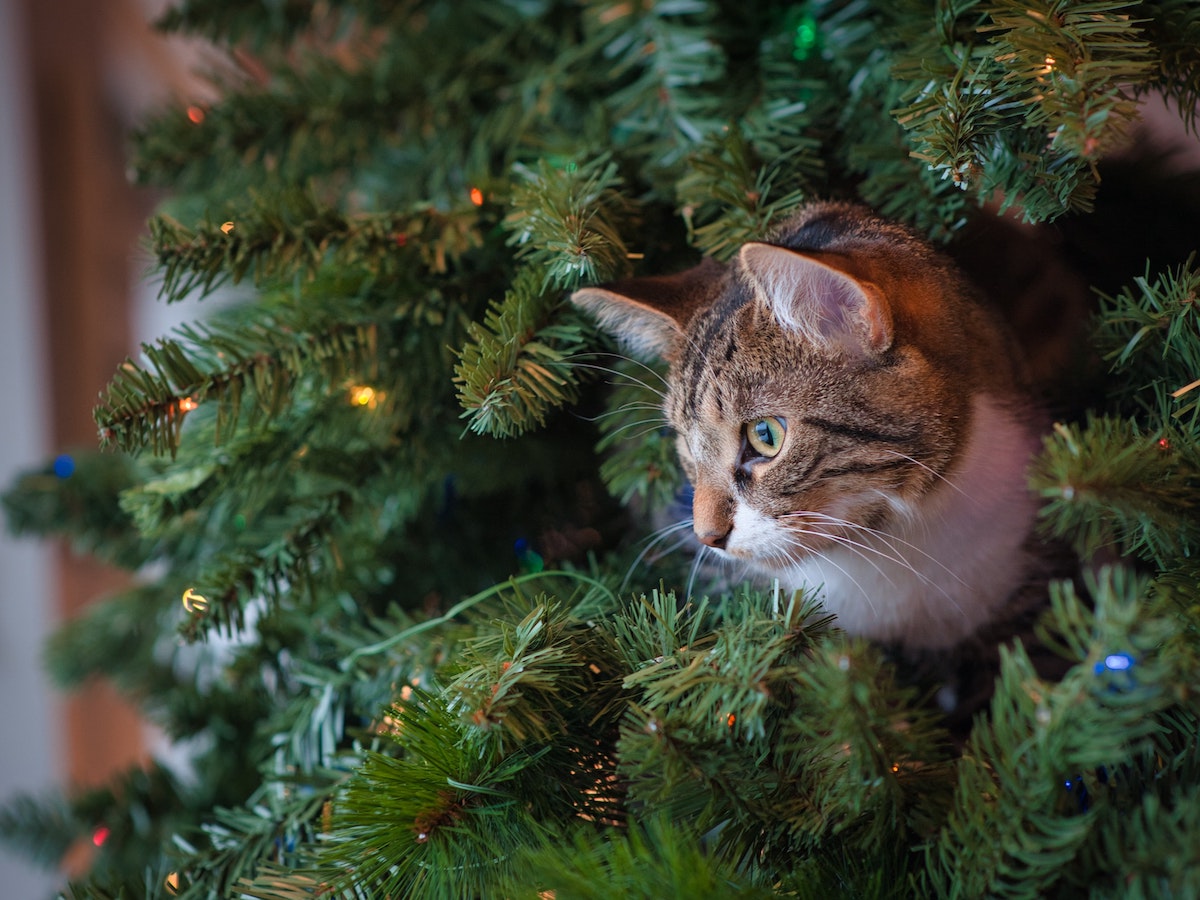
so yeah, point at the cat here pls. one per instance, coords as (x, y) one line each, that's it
(853, 419)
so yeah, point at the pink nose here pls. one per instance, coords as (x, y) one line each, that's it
(714, 538)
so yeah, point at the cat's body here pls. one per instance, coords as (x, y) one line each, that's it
(852, 421)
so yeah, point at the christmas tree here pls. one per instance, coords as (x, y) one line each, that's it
(398, 590)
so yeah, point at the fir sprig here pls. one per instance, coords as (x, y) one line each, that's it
(731, 195)
(294, 233)
(1147, 331)
(1023, 117)
(650, 860)
(145, 406)
(518, 366)
(664, 63)
(567, 221)
(1021, 773)
(443, 821)
(1110, 484)
(276, 825)
(1074, 62)
(1174, 28)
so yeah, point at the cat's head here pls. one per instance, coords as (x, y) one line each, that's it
(820, 384)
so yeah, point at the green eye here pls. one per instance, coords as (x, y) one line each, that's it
(765, 435)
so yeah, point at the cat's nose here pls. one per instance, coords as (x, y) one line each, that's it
(714, 538)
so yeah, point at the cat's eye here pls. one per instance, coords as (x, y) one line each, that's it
(765, 435)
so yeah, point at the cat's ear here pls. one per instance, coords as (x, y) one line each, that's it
(648, 315)
(812, 296)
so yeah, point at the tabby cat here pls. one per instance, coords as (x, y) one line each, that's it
(852, 419)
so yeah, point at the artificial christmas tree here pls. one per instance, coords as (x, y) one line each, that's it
(412, 486)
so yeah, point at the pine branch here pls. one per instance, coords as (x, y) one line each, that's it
(1024, 119)
(77, 496)
(1011, 810)
(1146, 331)
(426, 123)
(277, 825)
(225, 360)
(664, 64)
(1174, 28)
(650, 860)
(1154, 840)
(42, 828)
(1075, 62)
(952, 108)
(302, 549)
(737, 195)
(1110, 484)
(863, 91)
(874, 763)
(567, 221)
(443, 821)
(292, 234)
(520, 362)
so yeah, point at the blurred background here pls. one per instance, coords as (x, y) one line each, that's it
(75, 75)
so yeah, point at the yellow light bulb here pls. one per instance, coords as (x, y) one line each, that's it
(194, 602)
(362, 395)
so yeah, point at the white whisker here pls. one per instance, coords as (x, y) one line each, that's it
(818, 560)
(891, 540)
(630, 378)
(936, 474)
(657, 538)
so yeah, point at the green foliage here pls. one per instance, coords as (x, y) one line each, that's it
(519, 363)
(1174, 28)
(1148, 332)
(145, 405)
(294, 235)
(1051, 763)
(727, 180)
(87, 495)
(1107, 484)
(648, 860)
(1016, 101)
(566, 221)
(640, 460)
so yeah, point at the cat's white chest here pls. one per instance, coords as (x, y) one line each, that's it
(949, 566)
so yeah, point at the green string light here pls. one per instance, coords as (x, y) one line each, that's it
(806, 38)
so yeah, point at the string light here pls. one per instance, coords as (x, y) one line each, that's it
(100, 835)
(477, 196)
(363, 395)
(1114, 662)
(195, 114)
(194, 602)
(805, 39)
(227, 227)
(187, 404)
(171, 883)
(64, 465)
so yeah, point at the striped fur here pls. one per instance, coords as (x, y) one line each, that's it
(899, 490)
